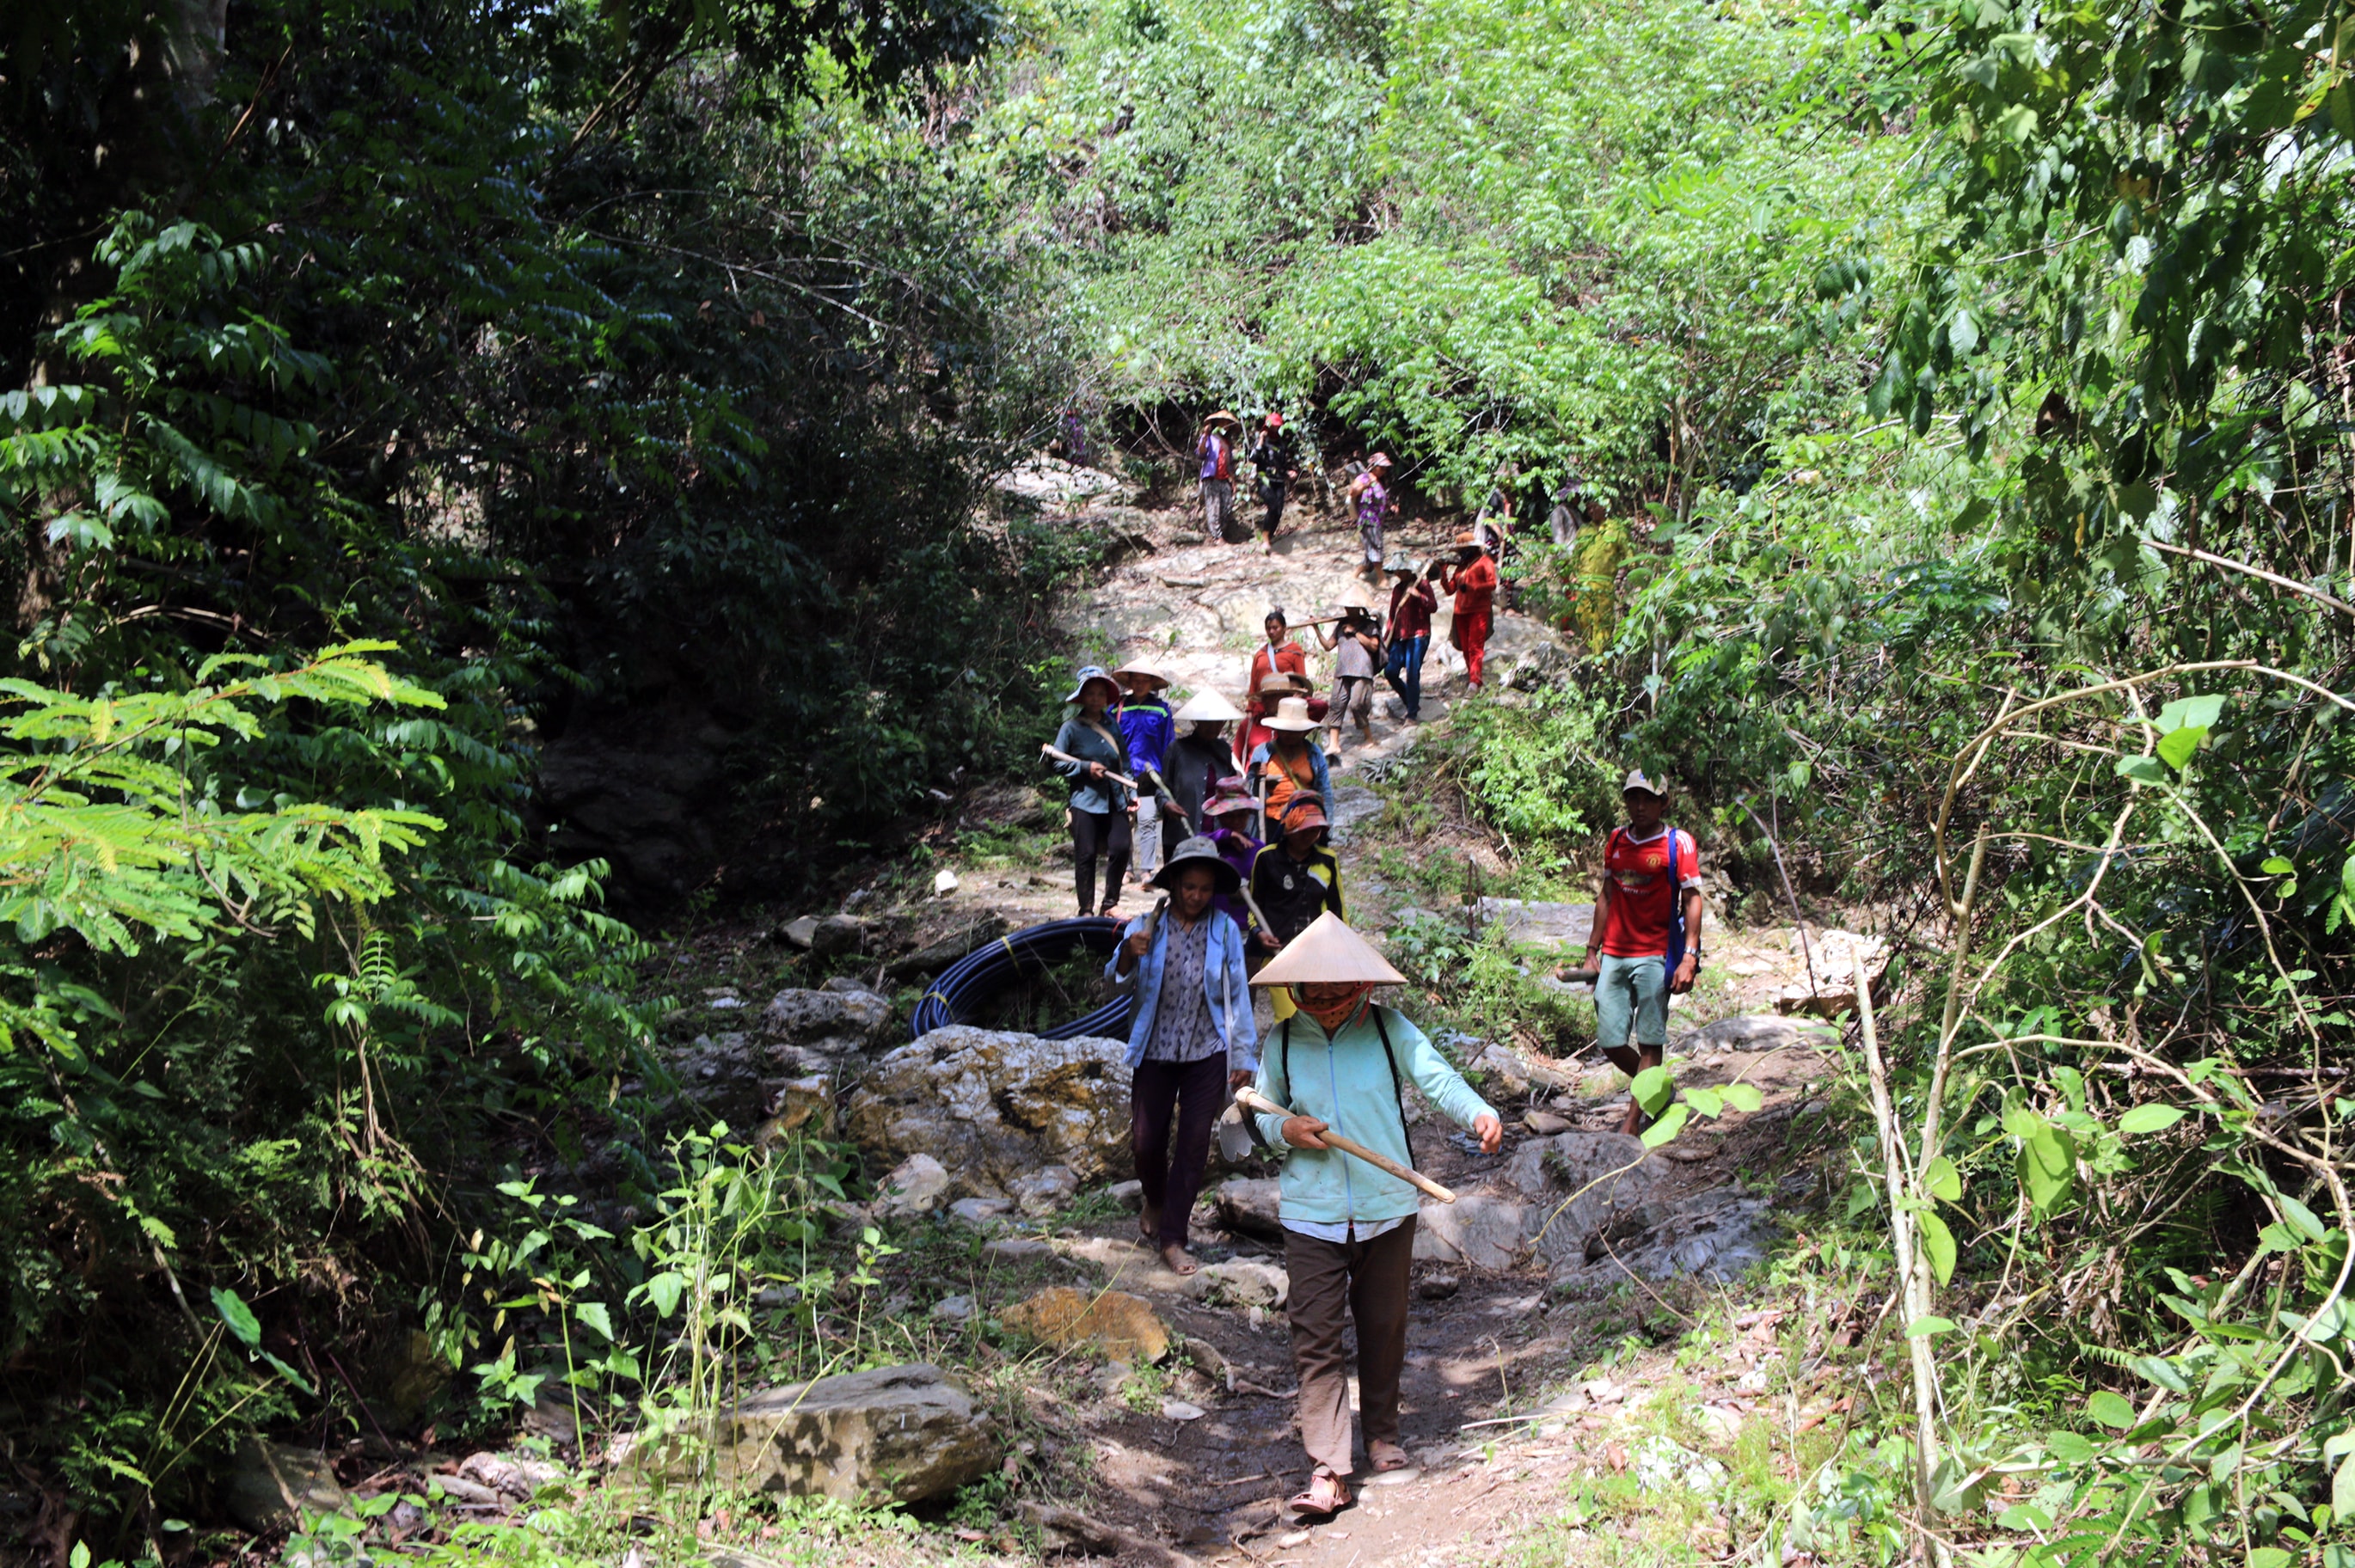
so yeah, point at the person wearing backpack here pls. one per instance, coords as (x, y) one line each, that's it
(1339, 1064)
(1647, 927)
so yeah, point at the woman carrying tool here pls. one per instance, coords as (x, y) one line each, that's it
(1146, 728)
(1092, 757)
(1189, 1038)
(1196, 760)
(1337, 1065)
(1279, 668)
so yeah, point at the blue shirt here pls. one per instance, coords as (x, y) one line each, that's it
(1148, 729)
(1226, 987)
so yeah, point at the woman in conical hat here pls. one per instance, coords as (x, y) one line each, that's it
(1196, 760)
(1349, 1228)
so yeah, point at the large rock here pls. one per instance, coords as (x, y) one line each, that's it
(1353, 804)
(1523, 652)
(1716, 1234)
(1836, 956)
(896, 1433)
(837, 936)
(915, 1186)
(1563, 926)
(937, 955)
(1484, 1231)
(997, 1107)
(1241, 1281)
(828, 1021)
(1250, 1206)
(1546, 1199)
(1758, 1031)
(275, 1486)
(1123, 1327)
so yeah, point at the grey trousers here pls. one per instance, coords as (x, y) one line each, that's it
(1218, 509)
(1332, 1283)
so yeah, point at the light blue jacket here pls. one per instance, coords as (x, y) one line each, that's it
(1225, 984)
(1344, 1083)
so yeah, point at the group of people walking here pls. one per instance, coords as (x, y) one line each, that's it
(1235, 805)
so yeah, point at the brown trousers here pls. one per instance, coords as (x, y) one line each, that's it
(1333, 1282)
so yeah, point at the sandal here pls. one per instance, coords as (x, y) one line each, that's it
(1326, 1496)
(1388, 1456)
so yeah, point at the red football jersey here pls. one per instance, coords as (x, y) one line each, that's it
(1643, 890)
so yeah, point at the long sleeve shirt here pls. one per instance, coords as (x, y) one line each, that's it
(1192, 768)
(1146, 728)
(1293, 893)
(1350, 1082)
(1225, 987)
(1412, 607)
(1091, 744)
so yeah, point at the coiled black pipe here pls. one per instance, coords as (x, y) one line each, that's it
(960, 989)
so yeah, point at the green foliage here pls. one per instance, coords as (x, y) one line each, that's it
(1573, 238)
(1538, 777)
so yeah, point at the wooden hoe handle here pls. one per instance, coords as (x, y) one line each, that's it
(1250, 1099)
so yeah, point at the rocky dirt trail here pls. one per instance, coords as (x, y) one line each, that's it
(1570, 1249)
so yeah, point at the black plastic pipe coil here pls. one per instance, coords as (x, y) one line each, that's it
(964, 986)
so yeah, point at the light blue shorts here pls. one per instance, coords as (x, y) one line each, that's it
(1631, 991)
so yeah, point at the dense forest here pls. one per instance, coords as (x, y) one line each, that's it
(489, 486)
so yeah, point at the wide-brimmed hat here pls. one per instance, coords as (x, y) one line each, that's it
(1224, 416)
(1089, 672)
(1379, 460)
(1471, 540)
(1140, 666)
(1399, 563)
(1206, 707)
(1292, 714)
(1328, 953)
(1231, 796)
(1650, 783)
(1196, 852)
(1278, 684)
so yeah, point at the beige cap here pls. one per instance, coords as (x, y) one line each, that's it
(1207, 707)
(1637, 779)
(1292, 714)
(1328, 953)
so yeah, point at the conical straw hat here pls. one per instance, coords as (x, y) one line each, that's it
(1328, 953)
(1139, 667)
(1207, 707)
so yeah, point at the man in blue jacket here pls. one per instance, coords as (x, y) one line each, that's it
(1189, 1038)
(1339, 1065)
